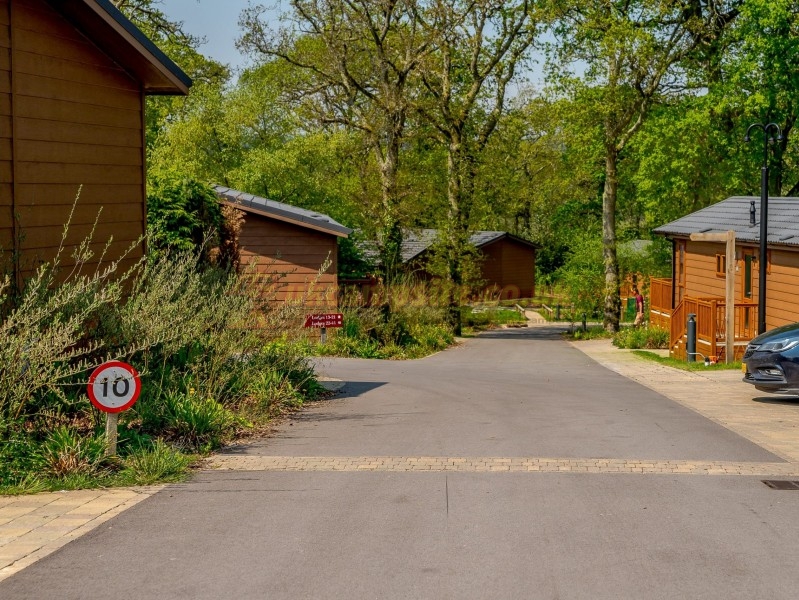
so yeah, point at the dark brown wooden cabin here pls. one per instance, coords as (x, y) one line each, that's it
(289, 245)
(698, 277)
(73, 78)
(508, 267)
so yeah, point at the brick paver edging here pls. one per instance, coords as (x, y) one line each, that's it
(31, 527)
(496, 464)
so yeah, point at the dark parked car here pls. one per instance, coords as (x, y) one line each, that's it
(771, 361)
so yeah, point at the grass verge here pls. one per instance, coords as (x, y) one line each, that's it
(686, 366)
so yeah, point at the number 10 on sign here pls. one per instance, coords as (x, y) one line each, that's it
(114, 386)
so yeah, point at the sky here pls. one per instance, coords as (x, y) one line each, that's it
(216, 21)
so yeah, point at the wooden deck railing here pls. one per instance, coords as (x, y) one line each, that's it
(677, 322)
(660, 294)
(711, 334)
(711, 326)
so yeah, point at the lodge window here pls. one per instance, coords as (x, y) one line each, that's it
(721, 265)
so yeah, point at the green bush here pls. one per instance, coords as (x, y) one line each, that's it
(181, 212)
(403, 334)
(202, 423)
(158, 463)
(65, 452)
(188, 330)
(641, 337)
(403, 320)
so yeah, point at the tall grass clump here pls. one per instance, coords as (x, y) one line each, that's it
(406, 319)
(488, 316)
(641, 337)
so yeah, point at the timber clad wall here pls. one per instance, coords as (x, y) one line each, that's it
(510, 265)
(782, 288)
(6, 169)
(295, 254)
(782, 279)
(77, 119)
(701, 280)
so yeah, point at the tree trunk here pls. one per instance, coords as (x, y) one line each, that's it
(611, 263)
(455, 231)
(390, 231)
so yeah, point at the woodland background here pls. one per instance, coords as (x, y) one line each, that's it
(397, 114)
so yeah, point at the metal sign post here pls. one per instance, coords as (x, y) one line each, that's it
(323, 322)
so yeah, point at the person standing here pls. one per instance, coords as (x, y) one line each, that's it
(639, 307)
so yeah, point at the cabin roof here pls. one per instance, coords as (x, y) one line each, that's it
(416, 242)
(734, 214)
(106, 26)
(282, 212)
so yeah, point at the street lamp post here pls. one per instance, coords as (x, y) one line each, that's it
(768, 138)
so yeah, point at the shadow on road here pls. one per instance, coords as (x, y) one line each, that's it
(320, 417)
(788, 400)
(550, 332)
(353, 389)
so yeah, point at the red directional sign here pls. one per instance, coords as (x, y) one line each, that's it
(114, 386)
(329, 320)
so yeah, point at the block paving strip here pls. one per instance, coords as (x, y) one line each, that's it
(497, 464)
(31, 527)
(770, 421)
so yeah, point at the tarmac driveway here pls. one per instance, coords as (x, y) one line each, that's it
(513, 466)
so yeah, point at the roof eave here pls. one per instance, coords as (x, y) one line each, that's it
(126, 44)
(509, 236)
(276, 213)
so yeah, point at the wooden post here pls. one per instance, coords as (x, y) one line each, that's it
(730, 294)
(729, 291)
(111, 421)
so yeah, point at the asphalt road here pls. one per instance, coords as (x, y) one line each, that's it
(460, 534)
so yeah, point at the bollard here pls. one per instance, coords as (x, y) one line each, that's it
(585, 327)
(690, 345)
(557, 312)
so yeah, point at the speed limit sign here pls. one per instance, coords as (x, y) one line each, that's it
(114, 386)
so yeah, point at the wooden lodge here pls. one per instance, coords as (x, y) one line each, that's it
(699, 274)
(73, 78)
(507, 267)
(289, 245)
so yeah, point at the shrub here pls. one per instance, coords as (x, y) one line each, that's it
(403, 320)
(186, 327)
(199, 422)
(181, 212)
(153, 464)
(641, 337)
(65, 453)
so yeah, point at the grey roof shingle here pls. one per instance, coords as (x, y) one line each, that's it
(282, 211)
(733, 214)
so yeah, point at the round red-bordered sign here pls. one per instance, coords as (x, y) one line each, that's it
(114, 386)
